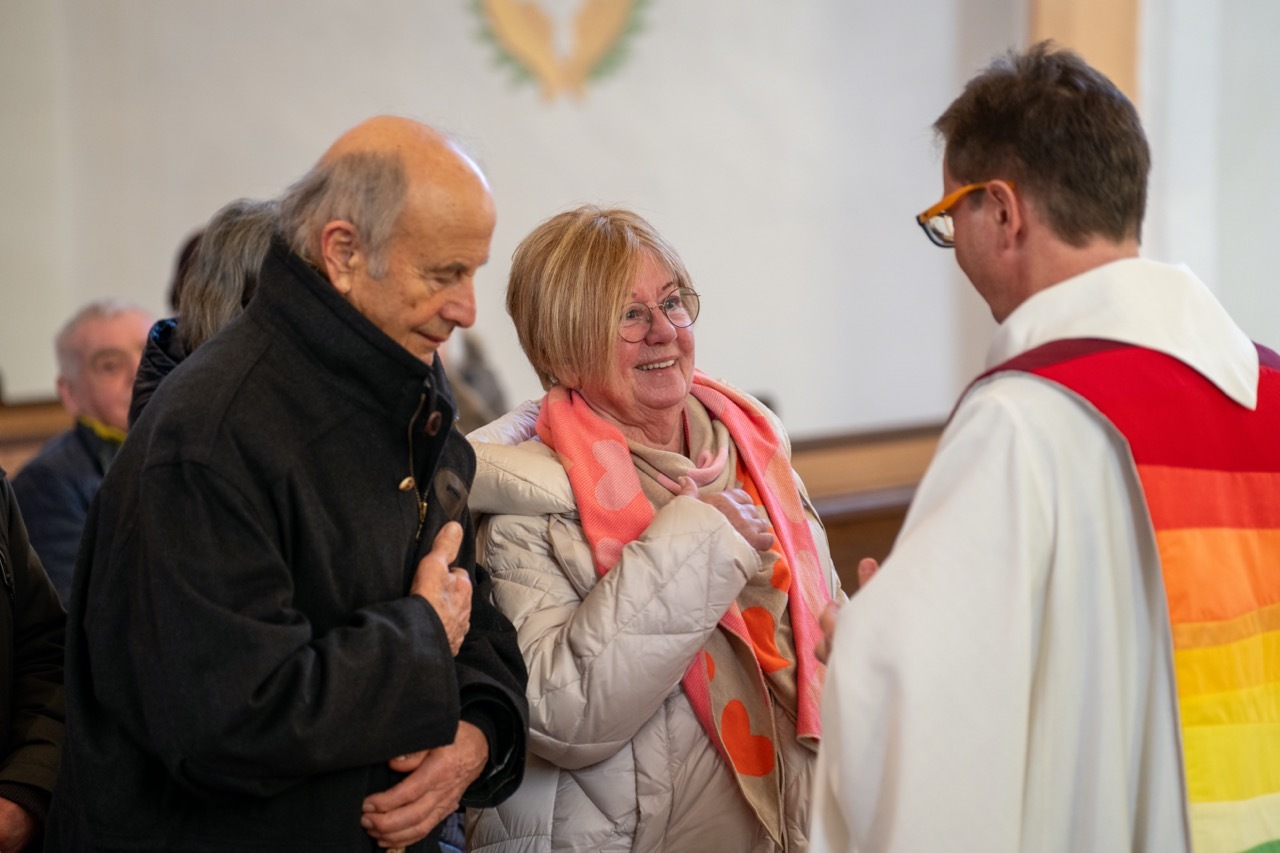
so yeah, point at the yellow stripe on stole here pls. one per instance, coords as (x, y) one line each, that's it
(1231, 762)
(1248, 663)
(1233, 827)
(1228, 698)
(1194, 635)
(1228, 670)
(1251, 706)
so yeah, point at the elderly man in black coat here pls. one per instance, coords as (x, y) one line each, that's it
(279, 637)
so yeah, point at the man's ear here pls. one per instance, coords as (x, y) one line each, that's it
(67, 395)
(341, 253)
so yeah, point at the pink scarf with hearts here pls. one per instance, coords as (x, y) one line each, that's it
(615, 511)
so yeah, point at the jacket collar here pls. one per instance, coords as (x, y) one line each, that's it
(294, 299)
(163, 353)
(515, 471)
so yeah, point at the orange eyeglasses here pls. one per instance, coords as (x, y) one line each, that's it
(936, 221)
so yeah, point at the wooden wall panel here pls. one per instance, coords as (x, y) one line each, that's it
(1104, 32)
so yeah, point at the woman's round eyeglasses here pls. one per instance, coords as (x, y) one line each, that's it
(680, 307)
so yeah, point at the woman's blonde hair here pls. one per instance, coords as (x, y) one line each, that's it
(570, 279)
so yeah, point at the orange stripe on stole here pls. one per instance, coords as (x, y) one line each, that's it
(1219, 574)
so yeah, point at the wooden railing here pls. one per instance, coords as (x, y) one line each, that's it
(861, 485)
(26, 426)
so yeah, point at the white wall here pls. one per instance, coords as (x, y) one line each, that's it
(783, 148)
(1210, 74)
(1249, 194)
(36, 288)
(1180, 78)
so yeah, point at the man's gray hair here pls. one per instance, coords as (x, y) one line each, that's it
(224, 272)
(64, 346)
(366, 189)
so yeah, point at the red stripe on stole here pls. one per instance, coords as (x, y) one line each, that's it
(1211, 482)
(1155, 401)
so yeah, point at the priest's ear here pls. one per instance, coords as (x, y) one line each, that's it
(1005, 207)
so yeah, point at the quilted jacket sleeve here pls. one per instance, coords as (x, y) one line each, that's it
(604, 654)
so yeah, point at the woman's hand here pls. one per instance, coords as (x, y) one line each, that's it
(736, 506)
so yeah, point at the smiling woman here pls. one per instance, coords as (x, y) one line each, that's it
(660, 559)
(643, 393)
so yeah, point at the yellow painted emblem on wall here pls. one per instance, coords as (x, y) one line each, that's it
(561, 43)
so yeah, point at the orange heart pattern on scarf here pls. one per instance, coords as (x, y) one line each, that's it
(764, 638)
(752, 755)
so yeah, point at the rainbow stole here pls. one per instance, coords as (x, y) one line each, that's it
(1210, 473)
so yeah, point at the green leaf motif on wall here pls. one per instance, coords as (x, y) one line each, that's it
(560, 44)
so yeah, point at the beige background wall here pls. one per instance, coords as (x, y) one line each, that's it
(783, 148)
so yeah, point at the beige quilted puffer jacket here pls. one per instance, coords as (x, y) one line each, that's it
(618, 761)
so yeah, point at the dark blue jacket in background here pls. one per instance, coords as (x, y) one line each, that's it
(54, 490)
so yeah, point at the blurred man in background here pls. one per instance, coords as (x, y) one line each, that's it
(98, 353)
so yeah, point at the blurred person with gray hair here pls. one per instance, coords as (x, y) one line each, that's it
(98, 352)
(216, 284)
